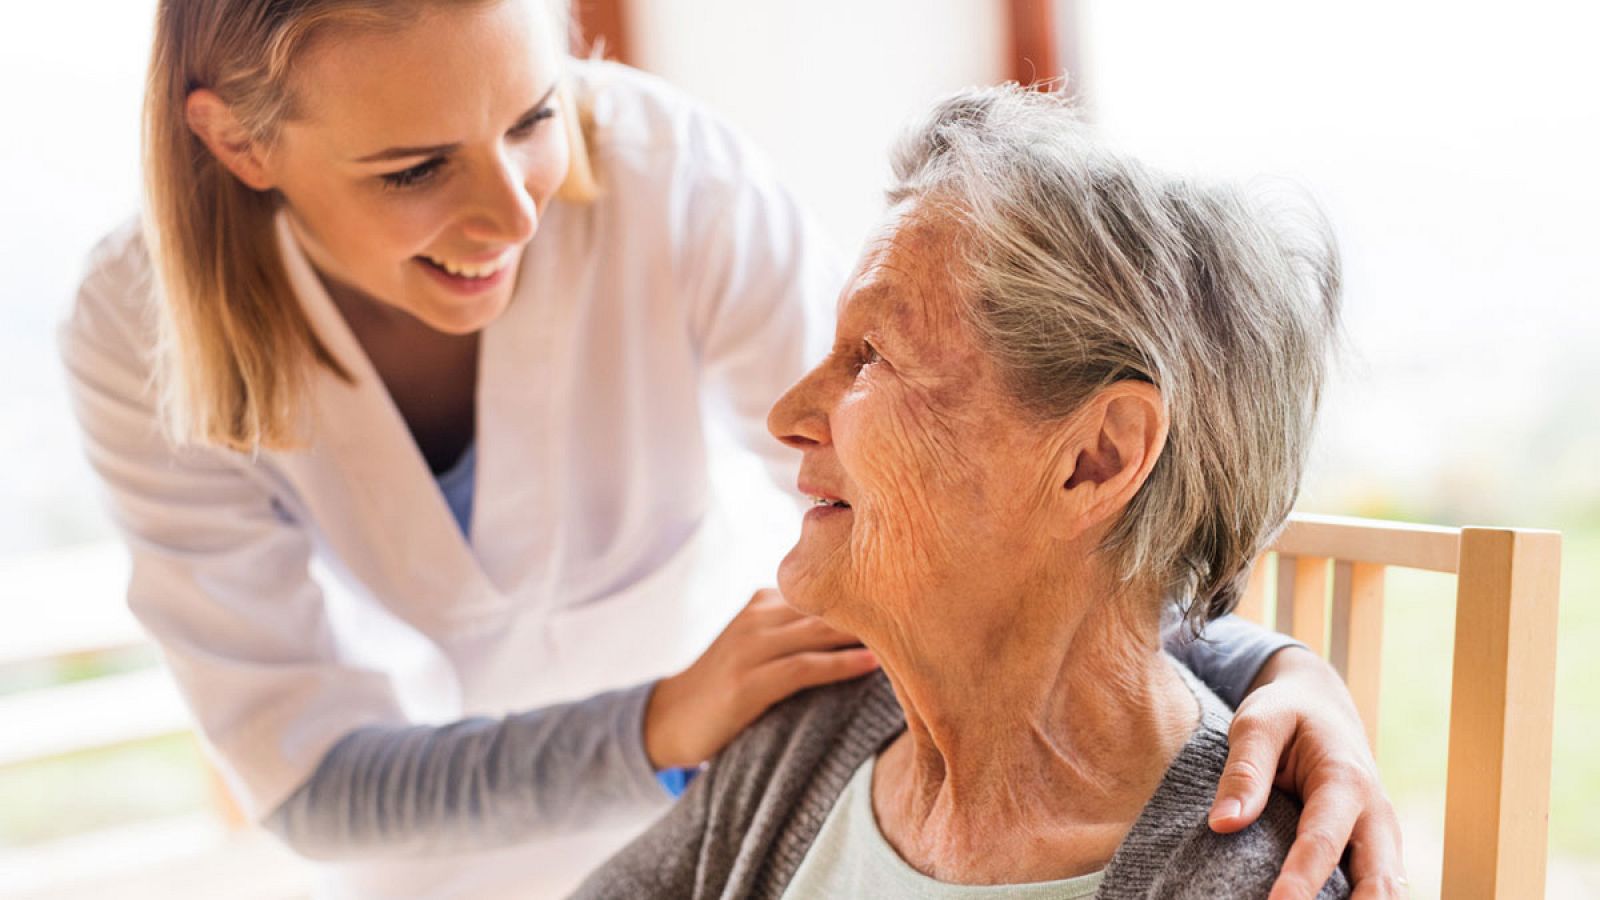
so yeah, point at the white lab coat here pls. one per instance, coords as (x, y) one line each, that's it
(693, 273)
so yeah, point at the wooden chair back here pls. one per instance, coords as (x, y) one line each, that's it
(1502, 692)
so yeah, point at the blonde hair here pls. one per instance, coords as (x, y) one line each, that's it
(236, 350)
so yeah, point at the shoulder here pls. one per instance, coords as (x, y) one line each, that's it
(1243, 864)
(755, 810)
(114, 311)
(848, 720)
(1171, 852)
(641, 126)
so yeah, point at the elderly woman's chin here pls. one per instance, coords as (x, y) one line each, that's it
(818, 574)
(808, 577)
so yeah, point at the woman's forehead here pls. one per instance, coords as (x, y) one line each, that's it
(433, 80)
(905, 279)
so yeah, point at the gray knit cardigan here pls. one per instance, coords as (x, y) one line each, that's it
(745, 823)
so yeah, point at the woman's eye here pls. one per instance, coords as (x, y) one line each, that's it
(869, 354)
(526, 126)
(416, 175)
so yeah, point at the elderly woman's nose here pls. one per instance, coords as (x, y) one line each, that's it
(798, 419)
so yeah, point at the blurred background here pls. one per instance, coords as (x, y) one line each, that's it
(1453, 144)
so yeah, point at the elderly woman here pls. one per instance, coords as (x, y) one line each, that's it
(1067, 395)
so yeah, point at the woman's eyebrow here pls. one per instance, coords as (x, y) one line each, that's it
(394, 153)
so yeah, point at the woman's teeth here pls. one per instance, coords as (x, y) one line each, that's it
(472, 270)
(823, 501)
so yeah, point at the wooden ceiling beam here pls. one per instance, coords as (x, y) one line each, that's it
(1033, 51)
(602, 24)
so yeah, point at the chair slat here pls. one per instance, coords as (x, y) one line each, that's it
(1253, 605)
(1502, 697)
(1283, 602)
(1431, 547)
(88, 715)
(1307, 600)
(1355, 643)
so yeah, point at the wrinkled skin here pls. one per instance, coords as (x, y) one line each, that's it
(966, 562)
(950, 488)
(940, 468)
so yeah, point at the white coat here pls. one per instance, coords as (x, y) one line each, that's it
(693, 280)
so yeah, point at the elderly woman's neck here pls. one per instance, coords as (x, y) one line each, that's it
(1061, 726)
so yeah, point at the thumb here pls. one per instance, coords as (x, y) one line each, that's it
(1255, 744)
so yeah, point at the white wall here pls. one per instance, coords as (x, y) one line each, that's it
(823, 86)
(71, 77)
(1454, 144)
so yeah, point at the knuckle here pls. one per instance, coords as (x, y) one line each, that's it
(1323, 843)
(1386, 809)
(1244, 769)
(843, 663)
(790, 669)
(1295, 886)
(1347, 771)
(1252, 724)
(1391, 885)
(1381, 823)
(1247, 717)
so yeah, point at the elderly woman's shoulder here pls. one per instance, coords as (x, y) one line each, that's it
(852, 716)
(1171, 852)
(1243, 864)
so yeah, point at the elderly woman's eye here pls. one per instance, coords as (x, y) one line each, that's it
(869, 354)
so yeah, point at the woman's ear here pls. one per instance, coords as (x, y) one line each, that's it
(1114, 441)
(214, 123)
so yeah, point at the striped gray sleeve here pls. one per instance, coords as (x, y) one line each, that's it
(1227, 654)
(476, 784)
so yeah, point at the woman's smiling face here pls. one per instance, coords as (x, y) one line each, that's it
(421, 158)
(931, 474)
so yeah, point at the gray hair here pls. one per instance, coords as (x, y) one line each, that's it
(1083, 267)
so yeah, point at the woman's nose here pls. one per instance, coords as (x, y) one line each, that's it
(799, 418)
(504, 210)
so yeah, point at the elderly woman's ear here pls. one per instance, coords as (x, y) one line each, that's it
(1111, 445)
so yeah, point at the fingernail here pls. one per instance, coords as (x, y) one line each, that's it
(1226, 809)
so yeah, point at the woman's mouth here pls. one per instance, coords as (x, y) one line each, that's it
(825, 508)
(465, 277)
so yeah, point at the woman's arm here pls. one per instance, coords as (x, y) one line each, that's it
(1299, 722)
(1296, 719)
(476, 784)
(1229, 655)
(221, 581)
(486, 783)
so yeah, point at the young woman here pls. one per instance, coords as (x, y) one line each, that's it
(423, 300)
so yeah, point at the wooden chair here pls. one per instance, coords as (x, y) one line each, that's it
(1497, 794)
(84, 619)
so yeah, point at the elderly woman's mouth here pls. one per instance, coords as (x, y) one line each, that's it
(829, 501)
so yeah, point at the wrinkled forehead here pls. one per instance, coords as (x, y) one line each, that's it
(908, 277)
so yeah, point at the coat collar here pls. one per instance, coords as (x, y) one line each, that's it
(362, 453)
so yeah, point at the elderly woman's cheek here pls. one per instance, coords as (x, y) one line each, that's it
(909, 524)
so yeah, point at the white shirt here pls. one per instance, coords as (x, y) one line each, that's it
(693, 283)
(851, 858)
